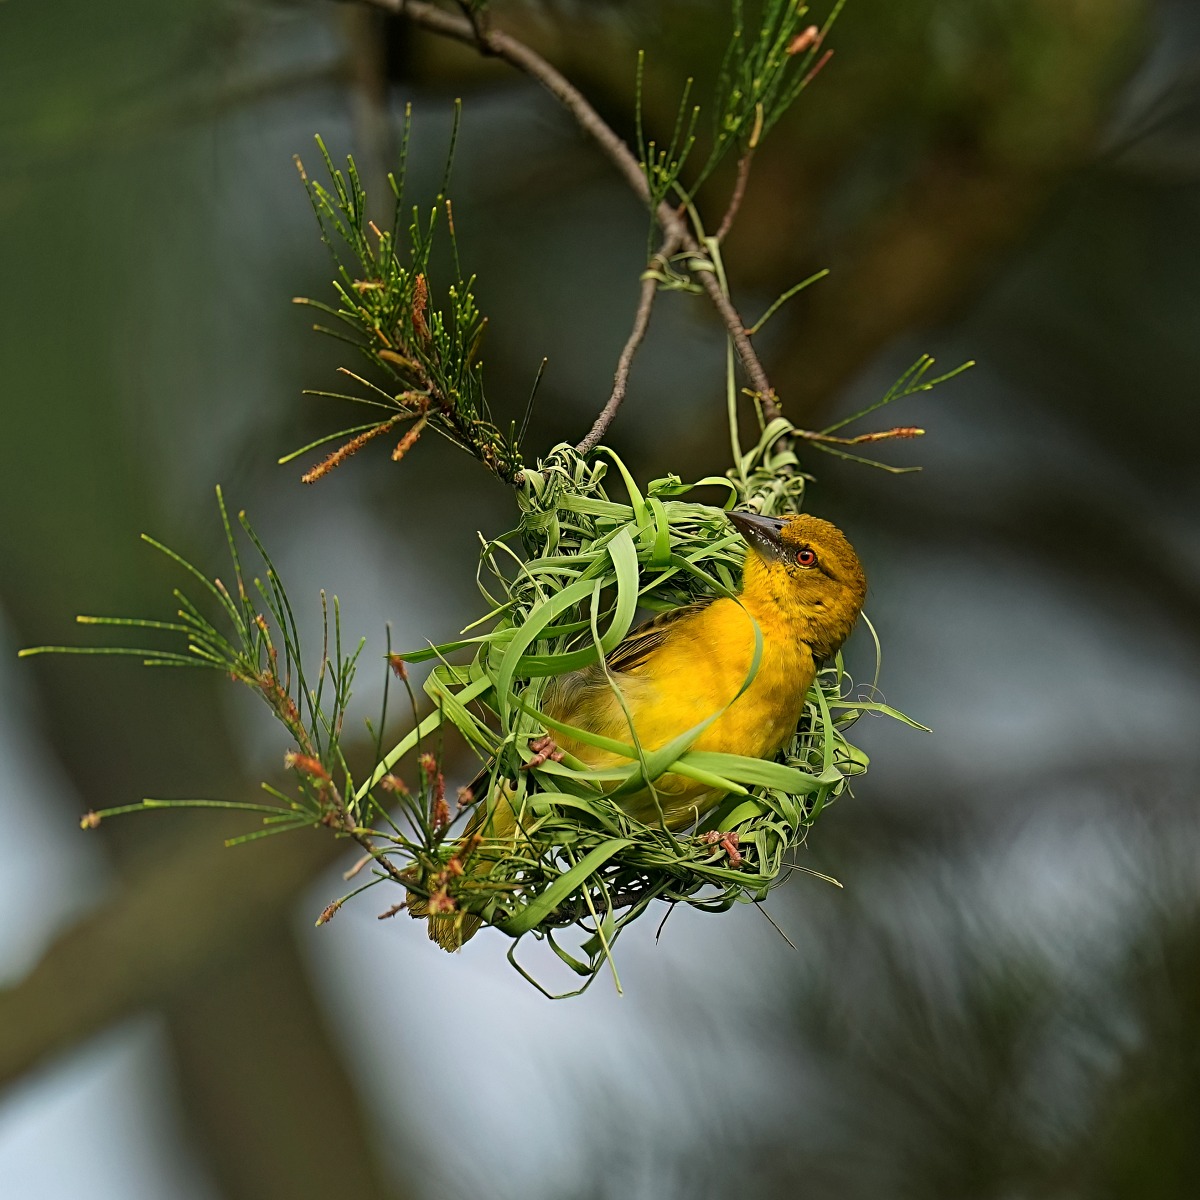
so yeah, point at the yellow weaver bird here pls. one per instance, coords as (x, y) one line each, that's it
(803, 586)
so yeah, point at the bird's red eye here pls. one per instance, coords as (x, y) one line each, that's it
(806, 557)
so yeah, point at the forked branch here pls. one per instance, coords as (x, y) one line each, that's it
(496, 43)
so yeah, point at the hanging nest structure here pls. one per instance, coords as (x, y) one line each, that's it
(565, 586)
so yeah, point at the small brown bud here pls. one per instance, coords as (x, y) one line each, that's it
(466, 797)
(398, 665)
(439, 810)
(409, 440)
(89, 820)
(805, 40)
(399, 359)
(328, 911)
(420, 302)
(440, 813)
(306, 763)
(464, 850)
(343, 452)
(393, 783)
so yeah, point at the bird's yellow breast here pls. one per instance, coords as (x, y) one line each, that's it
(696, 674)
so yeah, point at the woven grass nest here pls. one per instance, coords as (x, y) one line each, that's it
(565, 587)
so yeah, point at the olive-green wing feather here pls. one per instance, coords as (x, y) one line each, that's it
(569, 697)
(637, 646)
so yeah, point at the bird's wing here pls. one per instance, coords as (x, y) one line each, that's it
(633, 650)
(586, 698)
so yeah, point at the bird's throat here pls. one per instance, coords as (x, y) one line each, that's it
(788, 614)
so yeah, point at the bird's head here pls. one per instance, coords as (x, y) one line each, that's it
(806, 569)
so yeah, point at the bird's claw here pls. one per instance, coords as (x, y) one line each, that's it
(543, 748)
(727, 841)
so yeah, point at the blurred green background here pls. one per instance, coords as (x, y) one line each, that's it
(1004, 1000)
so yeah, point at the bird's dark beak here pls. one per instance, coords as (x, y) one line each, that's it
(761, 533)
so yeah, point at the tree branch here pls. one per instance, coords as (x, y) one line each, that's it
(735, 200)
(501, 45)
(738, 335)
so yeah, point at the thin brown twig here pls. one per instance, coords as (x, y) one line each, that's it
(568, 914)
(737, 334)
(881, 435)
(502, 45)
(641, 322)
(380, 856)
(735, 200)
(817, 68)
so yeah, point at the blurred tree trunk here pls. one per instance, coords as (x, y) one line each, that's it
(259, 1074)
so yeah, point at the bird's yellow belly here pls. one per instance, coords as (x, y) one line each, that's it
(694, 677)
